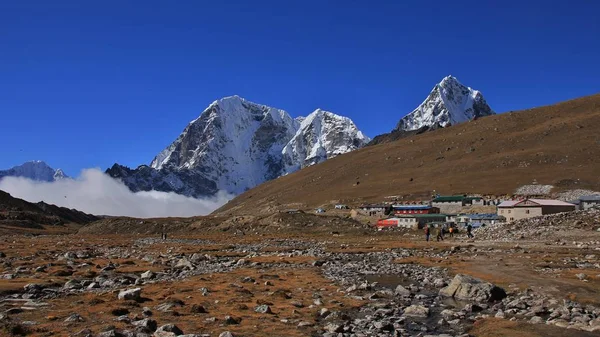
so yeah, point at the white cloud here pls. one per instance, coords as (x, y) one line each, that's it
(97, 193)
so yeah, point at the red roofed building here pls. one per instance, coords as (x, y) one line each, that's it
(521, 209)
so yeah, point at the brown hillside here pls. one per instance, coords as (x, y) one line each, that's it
(17, 215)
(557, 144)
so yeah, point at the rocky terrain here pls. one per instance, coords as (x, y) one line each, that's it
(216, 279)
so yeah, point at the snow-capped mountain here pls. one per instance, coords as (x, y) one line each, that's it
(235, 145)
(321, 135)
(35, 170)
(449, 103)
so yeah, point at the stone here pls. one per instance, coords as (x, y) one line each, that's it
(263, 309)
(466, 287)
(226, 334)
(231, 321)
(333, 327)
(536, 320)
(146, 323)
(172, 328)
(74, 318)
(184, 264)
(416, 310)
(318, 263)
(400, 290)
(148, 275)
(305, 324)
(581, 276)
(130, 294)
(198, 309)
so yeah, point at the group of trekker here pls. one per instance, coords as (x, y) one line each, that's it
(439, 232)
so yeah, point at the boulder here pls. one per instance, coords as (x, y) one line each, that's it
(400, 290)
(146, 323)
(147, 275)
(465, 287)
(131, 294)
(184, 264)
(168, 330)
(263, 309)
(416, 311)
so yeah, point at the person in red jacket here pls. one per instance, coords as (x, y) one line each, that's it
(427, 233)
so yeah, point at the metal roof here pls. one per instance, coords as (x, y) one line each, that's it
(595, 197)
(483, 216)
(539, 202)
(411, 206)
(449, 198)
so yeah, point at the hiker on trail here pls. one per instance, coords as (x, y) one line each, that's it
(427, 233)
(469, 229)
(439, 234)
(451, 231)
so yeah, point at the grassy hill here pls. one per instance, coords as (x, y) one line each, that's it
(557, 145)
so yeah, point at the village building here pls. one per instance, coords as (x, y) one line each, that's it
(479, 219)
(414, 209)
(341, 206)
(373, 209)
(420, 220)
(589, 201)
(457, 200)
(413, 221)
(527, 208)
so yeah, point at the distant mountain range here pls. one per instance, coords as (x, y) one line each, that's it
(34, 170)
(235, 145)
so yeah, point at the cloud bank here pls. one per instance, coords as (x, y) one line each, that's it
(97, 193)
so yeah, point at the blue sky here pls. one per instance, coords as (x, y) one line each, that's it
(86, 84)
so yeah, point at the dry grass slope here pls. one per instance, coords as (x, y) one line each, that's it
(557, 144)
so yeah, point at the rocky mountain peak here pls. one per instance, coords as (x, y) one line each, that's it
(36, 170)
(449, 103)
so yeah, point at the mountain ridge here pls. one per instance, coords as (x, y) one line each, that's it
(36, 170)
(552, 145)
(236, 144)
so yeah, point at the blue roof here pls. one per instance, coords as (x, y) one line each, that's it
(411, 206)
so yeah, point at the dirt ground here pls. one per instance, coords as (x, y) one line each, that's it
(541, 267)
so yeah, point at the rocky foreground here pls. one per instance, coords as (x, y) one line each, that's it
(383, 284)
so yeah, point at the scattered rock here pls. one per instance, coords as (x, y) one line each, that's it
(466, 287)
(131, 294)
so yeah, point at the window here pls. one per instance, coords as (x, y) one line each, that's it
(509, 211)
(526, 211)
(511, 219)
(501, 211)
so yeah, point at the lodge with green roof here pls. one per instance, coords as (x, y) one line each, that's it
(456, 200)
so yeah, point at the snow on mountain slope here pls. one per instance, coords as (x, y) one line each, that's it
(235, 145)
(449, 103)
(321, 135)
(35, 170)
